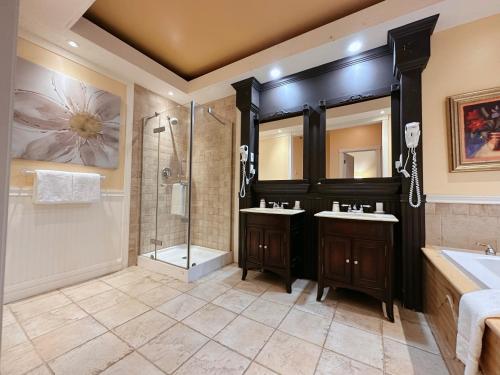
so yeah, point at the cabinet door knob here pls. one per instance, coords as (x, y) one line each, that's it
(260, 246)
(347, 260)
(265, 246)
(355, 262)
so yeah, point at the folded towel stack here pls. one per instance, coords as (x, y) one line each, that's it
(57, 187)
(474, 309)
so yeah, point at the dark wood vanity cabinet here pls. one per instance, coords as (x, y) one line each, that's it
(273, 242)
(357, 255)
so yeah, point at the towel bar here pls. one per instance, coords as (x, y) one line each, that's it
(29, 171)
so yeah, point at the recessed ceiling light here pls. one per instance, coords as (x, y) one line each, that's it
(73, 44)
(170, 93)
(382, 112)
(354, 46)
(275, 73)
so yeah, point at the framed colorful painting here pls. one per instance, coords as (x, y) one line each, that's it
(474, 124)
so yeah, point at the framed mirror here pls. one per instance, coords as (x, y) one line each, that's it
(281, 149)
(358, 140)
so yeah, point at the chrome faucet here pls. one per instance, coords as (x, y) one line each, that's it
(353, 208)
(489, 249)
(275, 204)
(283, 204)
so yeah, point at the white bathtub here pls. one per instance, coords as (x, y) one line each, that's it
(485, 269)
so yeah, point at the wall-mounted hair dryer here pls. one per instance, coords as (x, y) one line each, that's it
(245, 180)
(412, 136)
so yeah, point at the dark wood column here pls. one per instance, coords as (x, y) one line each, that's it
(411, 52)
(247, 101)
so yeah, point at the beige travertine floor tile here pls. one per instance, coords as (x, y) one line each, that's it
(417, 335)
(19, 359)
(245, 336)
(118, 314)
(7, 317)
(181, 285)
(133, 364)
(92, 357)
(409, 315)
(181, 306)
(157, 296)
(86, 290)
(173, 347)
(63, 339)
(307, 302)
(256, 369)
(355, 343)
(208, 291)
(214, 359)
(139, 287)
(140, 330)
(278, 294)
(48, 321)
(41, 370)
(230, 280)
(359, 318)
(254, 287)
(286, 354)
(267, 312)
(234, 301)
(333, 363)
(34, 306)
(209, 320)
(307, 326)
(12, 335)
(161, 278)
(403, 359)
(125, 278)
(103, 301)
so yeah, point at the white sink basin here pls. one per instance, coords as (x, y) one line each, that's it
(357, 216)
(485, 269)
(272, 211)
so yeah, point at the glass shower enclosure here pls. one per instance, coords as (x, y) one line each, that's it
(186, 188)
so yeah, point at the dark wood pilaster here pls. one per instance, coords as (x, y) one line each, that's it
(411, 52)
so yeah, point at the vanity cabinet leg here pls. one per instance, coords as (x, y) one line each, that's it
(389, 308)
(320, 293)
(288, 285)
(244, 274)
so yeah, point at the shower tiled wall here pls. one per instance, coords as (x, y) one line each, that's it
(211, 174)
(462, 225)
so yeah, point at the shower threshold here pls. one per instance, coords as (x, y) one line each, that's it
(172, 261)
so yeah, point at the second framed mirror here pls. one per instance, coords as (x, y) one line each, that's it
(358, 140)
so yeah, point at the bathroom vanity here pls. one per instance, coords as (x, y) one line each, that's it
(273, 241)
(356, 252)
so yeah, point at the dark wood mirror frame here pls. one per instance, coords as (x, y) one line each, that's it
(393, 69)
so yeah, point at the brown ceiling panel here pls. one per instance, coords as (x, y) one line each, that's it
(194, 37)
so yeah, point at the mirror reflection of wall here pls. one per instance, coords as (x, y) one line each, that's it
(281, 149)
(358, 140)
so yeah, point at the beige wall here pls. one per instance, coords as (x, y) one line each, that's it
(274, 154)
(38, 55)
(349, 138)
(463, 59)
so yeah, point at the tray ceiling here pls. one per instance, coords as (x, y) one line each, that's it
(193, 38)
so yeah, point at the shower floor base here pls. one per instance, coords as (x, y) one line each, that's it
(173, 260)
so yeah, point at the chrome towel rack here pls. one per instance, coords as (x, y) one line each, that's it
(30, 172)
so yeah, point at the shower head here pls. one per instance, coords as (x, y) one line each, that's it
(172, 120)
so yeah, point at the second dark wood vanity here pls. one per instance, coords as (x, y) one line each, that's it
(273, 241)
(357, 254)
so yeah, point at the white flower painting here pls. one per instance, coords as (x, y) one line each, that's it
(60, 119)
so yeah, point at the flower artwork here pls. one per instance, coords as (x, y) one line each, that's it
(61, 119)
(475, 130)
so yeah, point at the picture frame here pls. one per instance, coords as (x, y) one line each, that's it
(474, 131)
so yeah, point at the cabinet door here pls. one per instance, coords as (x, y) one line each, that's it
(337, 258)
(369, 259)
(255, 243)
(275, 248)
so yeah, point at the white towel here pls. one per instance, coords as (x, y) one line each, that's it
(86, 187)
(178, 202)
(474, 309)
(52, 187)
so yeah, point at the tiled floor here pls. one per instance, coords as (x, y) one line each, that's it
(142, 323)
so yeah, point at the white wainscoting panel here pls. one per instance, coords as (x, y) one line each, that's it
(52, 246)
